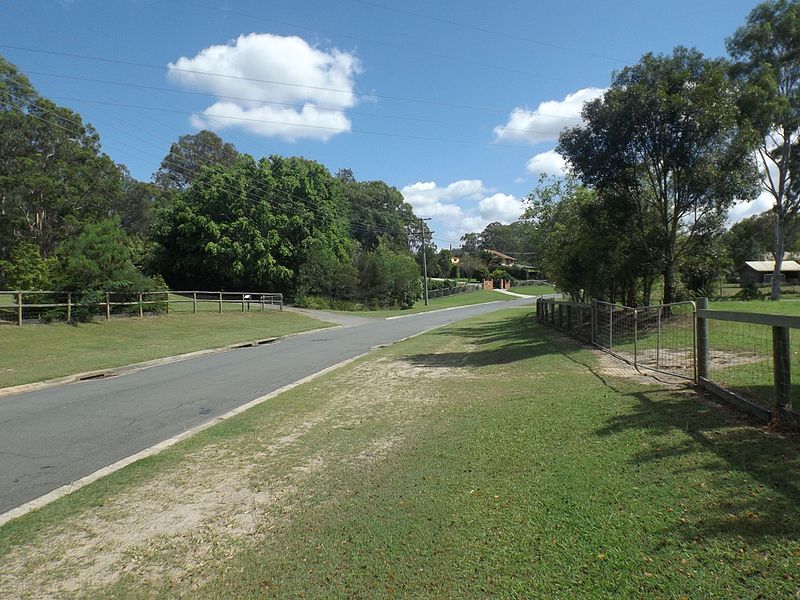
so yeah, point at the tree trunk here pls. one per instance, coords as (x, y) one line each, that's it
(778, 255)
(669, 284)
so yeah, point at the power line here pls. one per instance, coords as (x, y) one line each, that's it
(242, 78)
(287, 104)
(351, 223)
(301, 125)
(504, 34)
(458, 59)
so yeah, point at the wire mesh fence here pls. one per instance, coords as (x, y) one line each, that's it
(744, 358)
(21, 307)
(749, 356)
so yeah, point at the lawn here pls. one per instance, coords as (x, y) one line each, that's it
(487, 459)
(37, 352)
(533, 290)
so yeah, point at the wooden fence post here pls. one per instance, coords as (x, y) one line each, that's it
(242, 301)
(141, 308)
(167, 295)
(108, 306)
(781, 364)
(702, 340)
(194, 303)
(220, 303)
(69, 307)
(19, 309)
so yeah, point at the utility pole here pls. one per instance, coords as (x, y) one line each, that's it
(424, 257)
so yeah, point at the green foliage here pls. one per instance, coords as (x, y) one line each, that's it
(253, 226)
(53, 176)
(376, 213)
(25, 269)
(389, 279)
(192, 153)
(749, 292)
(666, 146)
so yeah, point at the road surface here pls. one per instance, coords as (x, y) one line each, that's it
(52, 437)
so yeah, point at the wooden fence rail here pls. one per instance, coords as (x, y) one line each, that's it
(20, 306)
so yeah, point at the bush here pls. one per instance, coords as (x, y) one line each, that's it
(749, 291)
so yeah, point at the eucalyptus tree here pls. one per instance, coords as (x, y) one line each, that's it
(767, 54)
(666, 140)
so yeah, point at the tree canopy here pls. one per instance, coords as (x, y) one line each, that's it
(767, 54)
(665, 141)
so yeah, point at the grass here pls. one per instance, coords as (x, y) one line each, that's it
(487, 459)
(533, 290)
(37, 352)
(465, 299)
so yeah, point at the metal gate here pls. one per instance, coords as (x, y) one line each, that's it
(659, 338)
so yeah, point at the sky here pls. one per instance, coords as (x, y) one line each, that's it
(458, 104)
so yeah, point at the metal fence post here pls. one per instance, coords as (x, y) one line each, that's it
(635, 339)
(781, 364)
(658, 338)
(701, 327)
(19, 309)
(611, 327)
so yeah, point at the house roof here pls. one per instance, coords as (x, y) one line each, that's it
(501, 255)
(768, 266)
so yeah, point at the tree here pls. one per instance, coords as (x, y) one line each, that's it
(53, 176)
(749, 239)
(190, 155)
(99, 259)
(252, 226)
(665, 139)
(25, 269)
(767, 51)
(376, 212)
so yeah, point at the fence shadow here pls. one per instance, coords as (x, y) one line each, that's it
(515, 338)
(717, 442)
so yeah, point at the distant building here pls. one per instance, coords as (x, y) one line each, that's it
(760, 272)
(505, 259)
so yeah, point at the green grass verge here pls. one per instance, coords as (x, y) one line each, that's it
(533, 290)
(37, 352)
(487, 459)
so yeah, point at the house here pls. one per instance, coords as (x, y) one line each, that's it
(760, 272)
(505, 259)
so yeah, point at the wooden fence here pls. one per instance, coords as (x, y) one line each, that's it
(42, 306)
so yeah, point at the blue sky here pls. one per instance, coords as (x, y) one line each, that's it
(457, 104)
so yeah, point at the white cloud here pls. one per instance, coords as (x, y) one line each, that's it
(740, 211)
(462, 206)
(550, 162)
(271, 71)
(547, 120)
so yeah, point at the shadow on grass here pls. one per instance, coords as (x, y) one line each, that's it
(509, 340)
(717, 443)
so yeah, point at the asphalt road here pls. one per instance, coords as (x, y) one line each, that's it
(53, 437)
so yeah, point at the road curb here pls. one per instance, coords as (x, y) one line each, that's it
(156, 362)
